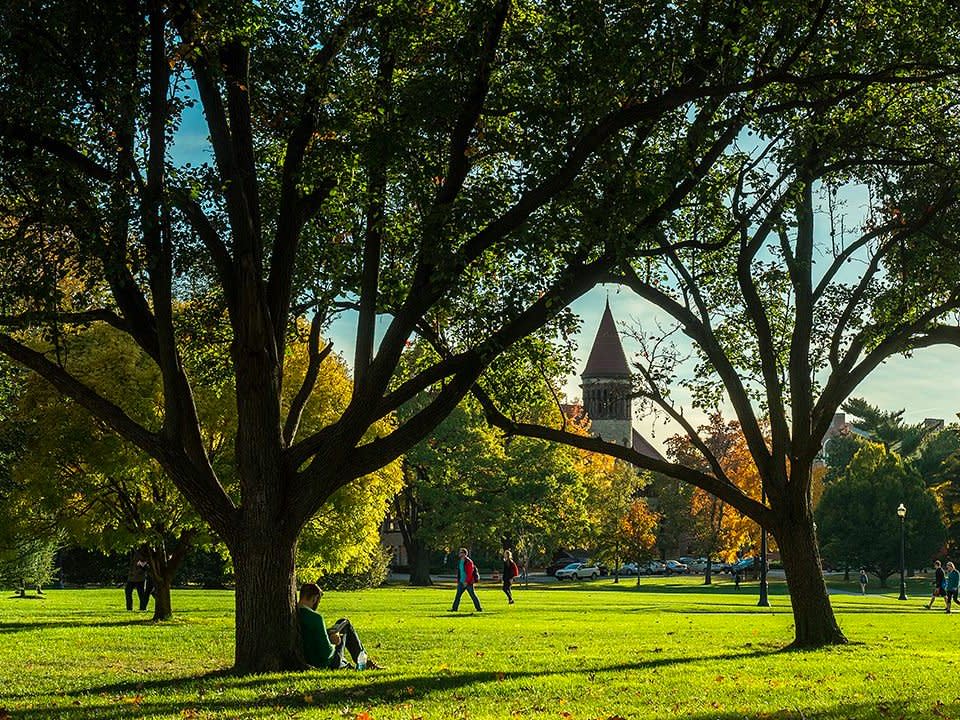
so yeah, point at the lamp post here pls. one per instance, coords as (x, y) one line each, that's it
(764, 600)
(902, 513)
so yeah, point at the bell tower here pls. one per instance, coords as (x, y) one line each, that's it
(606, 385)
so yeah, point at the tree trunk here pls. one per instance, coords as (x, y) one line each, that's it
(267, 629)
(708, 573)
(814, 622)
(418, 555)
(162, 608)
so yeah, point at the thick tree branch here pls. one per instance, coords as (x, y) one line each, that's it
(96, 404)
(723, 489)
(295, 210)
(39, 317)
(210, 238)
(59, 149)
(376, 170)
(299, 402)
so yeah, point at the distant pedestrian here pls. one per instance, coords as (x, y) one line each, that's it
(939, 584)
(736, 579)
(953, 583)
(467, 575)
(510, 571)
(137, 580)
(863, 581)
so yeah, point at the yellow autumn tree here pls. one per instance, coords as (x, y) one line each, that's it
(638, 531)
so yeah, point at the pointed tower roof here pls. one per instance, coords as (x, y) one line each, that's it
(606, 357)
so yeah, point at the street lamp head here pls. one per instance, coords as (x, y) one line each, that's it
(902, 511)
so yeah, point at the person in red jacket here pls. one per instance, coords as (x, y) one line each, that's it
(467, 575)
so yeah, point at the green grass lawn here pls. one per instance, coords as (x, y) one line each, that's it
(592, 650)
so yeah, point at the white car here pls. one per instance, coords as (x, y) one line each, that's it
(578, 571)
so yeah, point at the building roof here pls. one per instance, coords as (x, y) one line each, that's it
(607, 358)
(642, 446)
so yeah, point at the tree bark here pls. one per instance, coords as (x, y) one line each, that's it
(419, 555)
(267, 630)
(814, 621)
(162, 607)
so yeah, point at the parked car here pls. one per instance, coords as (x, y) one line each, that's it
(629, 569)
(744, 565)
(578, 571)
(676, 567)
(560, 560)
(695, 565)
(653, 567)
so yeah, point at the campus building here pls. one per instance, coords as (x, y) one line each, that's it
(607, 390)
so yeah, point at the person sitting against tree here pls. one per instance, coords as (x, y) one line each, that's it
(323, 646)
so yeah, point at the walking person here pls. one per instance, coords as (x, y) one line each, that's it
(863, 581)
(510, 571)
(939, 583)
(953, 583)
(467, 575)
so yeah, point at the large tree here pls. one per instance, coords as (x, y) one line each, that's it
(463, 170)
(785, 302)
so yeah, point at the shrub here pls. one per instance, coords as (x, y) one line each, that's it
(373, 574)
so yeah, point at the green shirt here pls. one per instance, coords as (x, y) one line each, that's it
(317, 648)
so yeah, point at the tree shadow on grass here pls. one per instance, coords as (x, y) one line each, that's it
(12, 627)
(313, 689)
(286, 704)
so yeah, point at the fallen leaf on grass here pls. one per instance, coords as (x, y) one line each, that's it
(500, 676)
(308, 699)
(364, 715)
